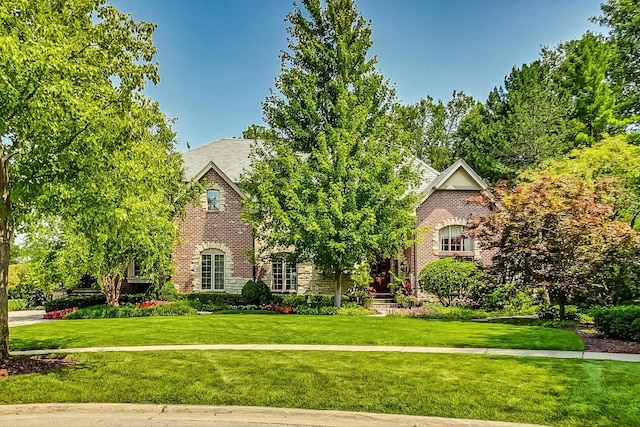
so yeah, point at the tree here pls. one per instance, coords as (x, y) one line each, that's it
(559, 233)
(433, 127)
(521, 124)
(67, 69)
(257, 132)
(333, 183)
(613, 157)
(623, 19)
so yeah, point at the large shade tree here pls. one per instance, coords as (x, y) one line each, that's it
(560, 233)
(331, 183)
(68, 70)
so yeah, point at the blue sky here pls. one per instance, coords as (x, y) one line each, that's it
(219, 58)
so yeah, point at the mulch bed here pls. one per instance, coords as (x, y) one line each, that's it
(596, 342)
(30, 365)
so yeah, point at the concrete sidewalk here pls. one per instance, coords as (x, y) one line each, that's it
(71, 415)
(587, 355)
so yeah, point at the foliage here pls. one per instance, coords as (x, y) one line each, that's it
(621, 322)
(361, 291)
(405, 300)
(611, 158)
(74, 301)
(623, 19)
(59, 314)
(181, 308)
(352, 309)
(451, 280)
(333, 184)
(17, 304)
(504, 296)
(152, 303)
(256, 293)
(549, 312)
(558, 233)
(204, 301)
(167, 292)
(433, 127)
(69, 75)
(317, 311)
(17, 274)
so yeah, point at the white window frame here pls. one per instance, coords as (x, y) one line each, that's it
(461, 244)
(284, 276)
(216, 200)
(212, 266)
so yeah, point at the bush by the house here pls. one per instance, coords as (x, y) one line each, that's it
(504, 296)
(352, 309)
(317, 311)
(74, 301)
(212, 301)
(256, 293)
(622, 322)
(181, 308)
(451, 280)
(166, 292)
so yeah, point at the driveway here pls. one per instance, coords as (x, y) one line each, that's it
(26, 317)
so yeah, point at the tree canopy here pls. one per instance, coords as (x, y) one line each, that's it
(70, 73)
(332, 183)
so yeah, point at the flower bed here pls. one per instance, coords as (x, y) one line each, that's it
(59, 314)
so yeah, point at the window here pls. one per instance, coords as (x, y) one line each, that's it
(451, 240)
(212, 272)
(213, 200)
(136, 269)
(284, 275)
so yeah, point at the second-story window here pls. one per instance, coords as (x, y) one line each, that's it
(213, 200)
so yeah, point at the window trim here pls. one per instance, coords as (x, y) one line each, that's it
(212, 272)
(288, 276)
(448, 248)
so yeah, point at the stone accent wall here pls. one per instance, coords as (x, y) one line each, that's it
(221, 229)
(310, 280)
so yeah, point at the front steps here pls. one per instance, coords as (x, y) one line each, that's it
(383, 303)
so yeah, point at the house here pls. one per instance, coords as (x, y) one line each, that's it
(213, 253)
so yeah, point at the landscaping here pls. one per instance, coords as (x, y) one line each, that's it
(528, 390)
(258, 328)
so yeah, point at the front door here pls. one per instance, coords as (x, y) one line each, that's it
(381, 276)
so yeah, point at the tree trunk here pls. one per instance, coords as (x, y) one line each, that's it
(562, 301)
(5, 248)
(338, 289)
(111, 288)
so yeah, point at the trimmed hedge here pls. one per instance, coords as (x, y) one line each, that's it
(622, 322)
(315, 301)
(82, 301)
(217, 299)
(181, 308)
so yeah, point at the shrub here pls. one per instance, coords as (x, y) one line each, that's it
(504, 296)
(132, 298)
(256, 293)
(206, 301)
(352, 309)
(622, 322)
(450, 280)
(317, 311)
(181, 308)
(59, 314)
(167, 292)
(548, 312)
(74, 301)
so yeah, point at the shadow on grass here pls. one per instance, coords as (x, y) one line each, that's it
(19, 344)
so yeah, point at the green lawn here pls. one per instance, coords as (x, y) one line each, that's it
(17, 304)
(287, 329)
(519, 389)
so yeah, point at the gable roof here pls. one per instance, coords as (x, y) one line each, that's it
(442, 179)
(230, 155)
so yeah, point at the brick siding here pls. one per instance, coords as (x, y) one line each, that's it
(223, 228)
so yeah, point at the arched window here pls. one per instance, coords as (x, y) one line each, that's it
(212, 270)
(451, 240)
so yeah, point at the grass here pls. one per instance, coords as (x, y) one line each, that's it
(287, 329)
(17, 304)
(558, 392)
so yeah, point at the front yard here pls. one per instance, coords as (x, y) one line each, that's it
(287, 329)
(519, 389)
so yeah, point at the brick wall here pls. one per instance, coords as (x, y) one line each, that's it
(443, 208)
(221, 230)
